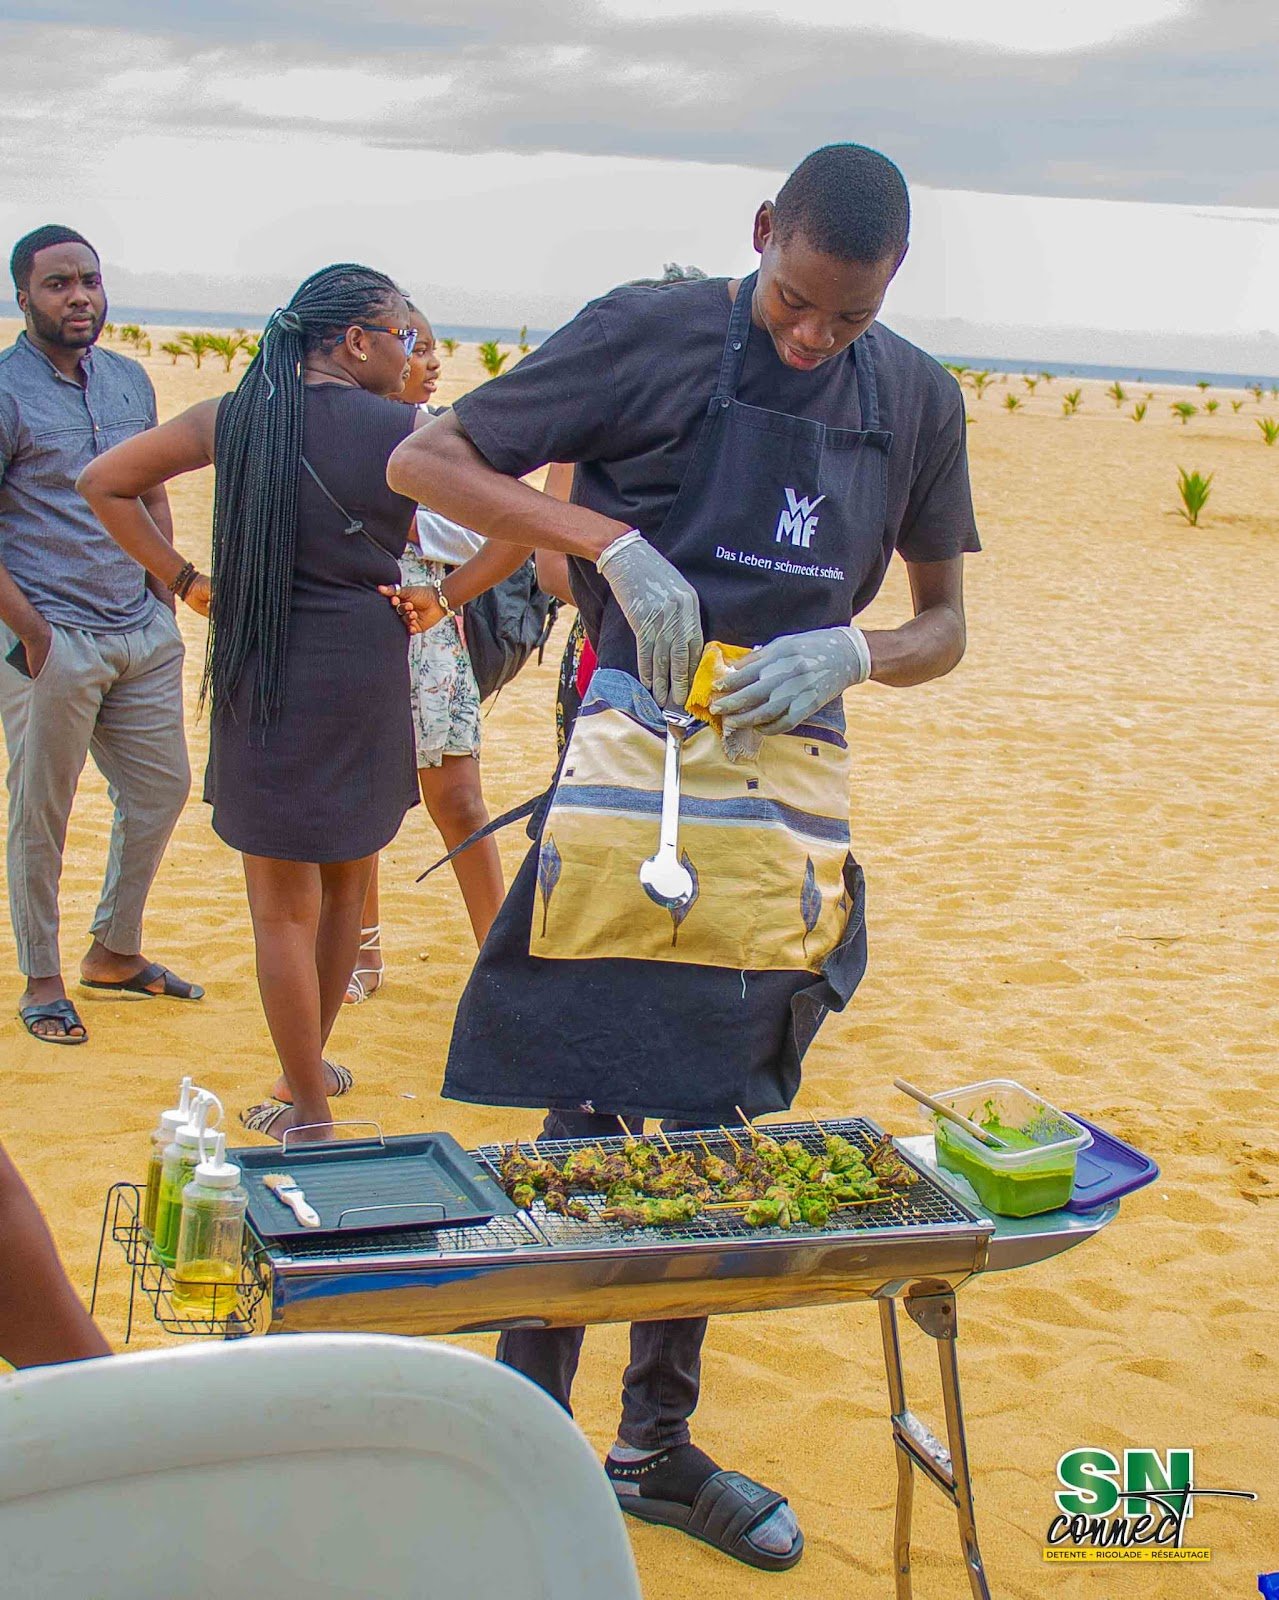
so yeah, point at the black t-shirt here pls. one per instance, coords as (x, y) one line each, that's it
(622, 389)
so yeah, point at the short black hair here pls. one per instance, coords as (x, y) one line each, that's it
(849, 202)
(24, 252)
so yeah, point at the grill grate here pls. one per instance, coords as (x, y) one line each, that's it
(925, 1205)
(502, 1233)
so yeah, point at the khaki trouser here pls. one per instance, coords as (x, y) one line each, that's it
(119, 697)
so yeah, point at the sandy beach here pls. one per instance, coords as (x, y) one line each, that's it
(1073, 881)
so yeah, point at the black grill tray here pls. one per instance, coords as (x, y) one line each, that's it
(423, 1180)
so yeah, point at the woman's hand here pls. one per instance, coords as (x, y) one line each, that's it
(420, 609)
(199, 595)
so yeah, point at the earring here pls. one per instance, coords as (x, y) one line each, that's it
(363, 357)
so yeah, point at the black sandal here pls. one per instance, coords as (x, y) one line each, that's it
(724, 1511)
(173, 988)
(53, 1011)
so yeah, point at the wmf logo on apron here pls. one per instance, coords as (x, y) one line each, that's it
(798, 520)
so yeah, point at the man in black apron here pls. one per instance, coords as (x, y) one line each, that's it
(749, 455)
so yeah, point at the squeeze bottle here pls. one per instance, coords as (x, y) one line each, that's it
(210, 1236)
(162, 1137)
(180, 1161)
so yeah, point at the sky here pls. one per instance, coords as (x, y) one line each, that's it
(1091, 165)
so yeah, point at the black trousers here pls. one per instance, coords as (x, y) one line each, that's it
(661, 1385)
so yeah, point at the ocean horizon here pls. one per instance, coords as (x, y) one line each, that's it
(473, 333)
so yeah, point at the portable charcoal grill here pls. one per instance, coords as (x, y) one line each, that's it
(540, 1269)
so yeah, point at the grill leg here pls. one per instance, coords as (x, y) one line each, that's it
(918, 1447)
(905, 1469)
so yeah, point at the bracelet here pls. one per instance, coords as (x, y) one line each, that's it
(184, 578)
(445, 604)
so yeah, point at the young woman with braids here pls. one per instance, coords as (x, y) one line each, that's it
(304, 781)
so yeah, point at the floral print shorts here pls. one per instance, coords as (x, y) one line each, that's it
(445, 695)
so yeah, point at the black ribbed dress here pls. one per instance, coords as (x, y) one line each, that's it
(336, 773)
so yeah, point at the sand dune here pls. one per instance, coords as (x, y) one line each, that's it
(1070, 846)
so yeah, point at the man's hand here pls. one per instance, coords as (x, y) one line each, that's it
(199, 595)
(663, 611)
(36, 646)
(781, 684)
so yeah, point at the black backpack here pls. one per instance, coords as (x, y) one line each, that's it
(505, 625)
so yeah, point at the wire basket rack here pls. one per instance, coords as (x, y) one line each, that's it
(233, 1310)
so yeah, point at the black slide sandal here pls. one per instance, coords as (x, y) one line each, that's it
(174, 988)
(53, 1011)
(727, 1506)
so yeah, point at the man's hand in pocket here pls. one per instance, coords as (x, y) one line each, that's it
(37, 646)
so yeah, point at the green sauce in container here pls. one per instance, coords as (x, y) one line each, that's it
(1034, 1171)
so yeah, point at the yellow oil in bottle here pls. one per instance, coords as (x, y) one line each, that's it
(207, 1289)
(151, 1195)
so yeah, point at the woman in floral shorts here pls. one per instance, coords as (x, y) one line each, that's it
(446, 704)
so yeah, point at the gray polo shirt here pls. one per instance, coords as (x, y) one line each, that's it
(57, 552)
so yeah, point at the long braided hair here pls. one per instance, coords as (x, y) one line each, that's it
(258, 458)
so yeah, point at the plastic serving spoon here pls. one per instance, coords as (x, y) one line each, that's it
(951, 1115)
(667, 882)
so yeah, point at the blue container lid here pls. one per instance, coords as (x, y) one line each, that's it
(1106, 1169)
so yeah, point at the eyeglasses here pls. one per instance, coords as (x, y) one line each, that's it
(406, 336)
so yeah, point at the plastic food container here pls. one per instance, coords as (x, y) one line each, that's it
(1037, 1173)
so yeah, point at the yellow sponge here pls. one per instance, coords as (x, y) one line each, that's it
(716, 659)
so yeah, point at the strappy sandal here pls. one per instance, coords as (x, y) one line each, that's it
(263, 1118)
(59, 1011)
(342, 1076)
(357, 991)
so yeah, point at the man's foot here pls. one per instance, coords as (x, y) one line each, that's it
(682, 1487)
(337, 1082)
(42, 993)
(105, 969)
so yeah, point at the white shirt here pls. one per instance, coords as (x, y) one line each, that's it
(438, 538)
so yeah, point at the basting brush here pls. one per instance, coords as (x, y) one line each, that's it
(286, 1189)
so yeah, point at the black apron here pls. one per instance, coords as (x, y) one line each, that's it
(588, 996)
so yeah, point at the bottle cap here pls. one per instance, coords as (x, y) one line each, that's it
(171, 1121)
(203, 1119)
(217, 1173)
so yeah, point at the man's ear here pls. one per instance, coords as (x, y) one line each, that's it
(763, 226)
(22, 297)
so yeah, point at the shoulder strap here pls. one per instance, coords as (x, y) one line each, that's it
(526, 808)
(354, 525)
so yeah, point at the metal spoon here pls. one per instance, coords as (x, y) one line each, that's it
(667, 882)
(982, 1135)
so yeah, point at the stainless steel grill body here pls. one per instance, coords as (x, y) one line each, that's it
(542, 1270)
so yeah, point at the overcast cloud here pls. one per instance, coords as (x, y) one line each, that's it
(1092, 179)
(1181, 110)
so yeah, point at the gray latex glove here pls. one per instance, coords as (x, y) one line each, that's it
(663, 612)
(781, 684)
